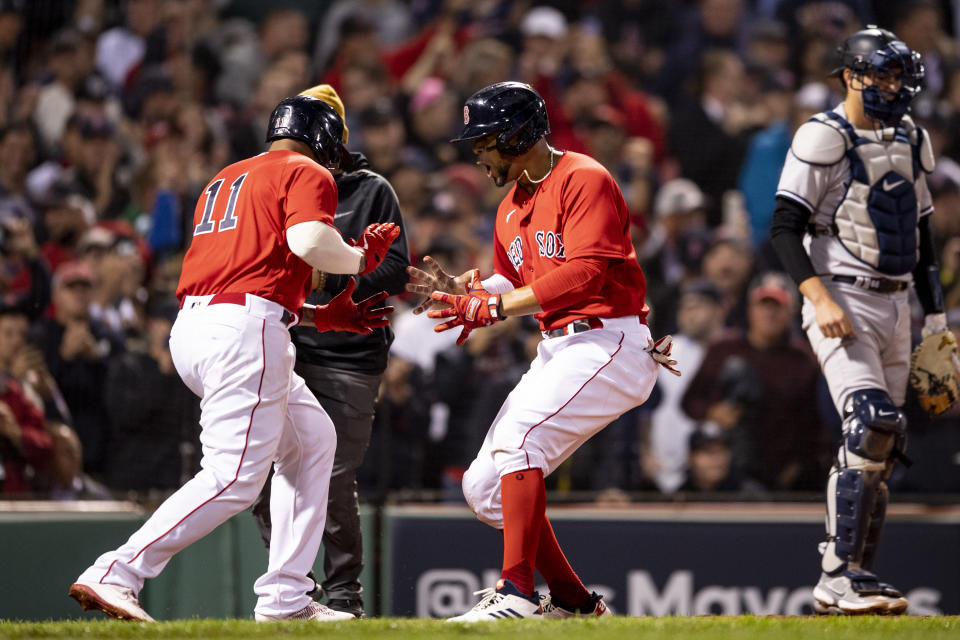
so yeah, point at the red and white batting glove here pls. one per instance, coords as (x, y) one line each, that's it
(477, 308)
(374, 242)
(343, 314)
(660, 352)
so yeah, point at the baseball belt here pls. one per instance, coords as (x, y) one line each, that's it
(880, 285)
(241, 300)
(577, 326)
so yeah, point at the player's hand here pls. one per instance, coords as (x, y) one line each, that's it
(833, 320)
(660, 352)
(375, 242)
(479, 308)
(343, 314)
(437, 280)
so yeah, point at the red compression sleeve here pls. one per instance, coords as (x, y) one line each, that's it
(573, 281)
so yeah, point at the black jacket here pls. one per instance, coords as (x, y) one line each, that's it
(365, 197)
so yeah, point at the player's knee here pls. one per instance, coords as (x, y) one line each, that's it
(873, 428)
(479, 485)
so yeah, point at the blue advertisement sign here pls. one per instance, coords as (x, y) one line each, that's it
(726, 565)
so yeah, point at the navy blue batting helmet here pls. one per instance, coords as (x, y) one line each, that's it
(313, 122)
(879, 52)
(512, 110)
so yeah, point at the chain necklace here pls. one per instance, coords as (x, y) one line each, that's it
(549, 171)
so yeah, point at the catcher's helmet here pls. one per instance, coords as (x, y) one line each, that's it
(878, 51)
(512, 110)
(312, 121)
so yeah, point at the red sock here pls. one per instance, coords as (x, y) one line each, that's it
(524, 499)
(564, 584)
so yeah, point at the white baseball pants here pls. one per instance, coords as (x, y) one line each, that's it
(254, 412)
(575, 387)
(878, 357)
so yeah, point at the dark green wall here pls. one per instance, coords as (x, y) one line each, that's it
(41, 554)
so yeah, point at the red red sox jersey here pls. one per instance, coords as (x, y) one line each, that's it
(239, 228)
(578, 211)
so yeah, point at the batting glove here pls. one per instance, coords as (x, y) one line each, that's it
(660, 352)
(934, 323)
(343, 314)
(477, 308)
(375, 242)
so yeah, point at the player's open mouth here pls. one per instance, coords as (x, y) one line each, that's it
(486, 168)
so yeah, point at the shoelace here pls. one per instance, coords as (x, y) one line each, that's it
(488, 598)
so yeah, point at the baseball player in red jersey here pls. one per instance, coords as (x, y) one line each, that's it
(563, 253)
(260, 227)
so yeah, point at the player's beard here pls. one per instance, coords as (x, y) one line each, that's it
(499, 173)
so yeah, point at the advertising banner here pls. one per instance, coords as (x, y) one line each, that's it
(724, 560)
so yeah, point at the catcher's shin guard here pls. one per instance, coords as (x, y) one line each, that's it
(856, 491)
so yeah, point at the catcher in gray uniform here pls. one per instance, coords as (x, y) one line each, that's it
(852, 226)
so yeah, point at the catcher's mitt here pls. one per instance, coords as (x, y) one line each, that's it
(935, 372)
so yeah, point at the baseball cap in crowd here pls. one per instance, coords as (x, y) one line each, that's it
(65, 41)
(679, 195)
(92, 127)
(356, 24)
(93, 88)
(379, 113)
(604, 115)
(466, 177)
(772, 285)
(768, 30)
(427, 93)
(703, 288)
(73, 272)
(706, 434)
(97, 237)
(544, 21)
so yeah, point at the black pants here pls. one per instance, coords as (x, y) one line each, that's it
(348, 398)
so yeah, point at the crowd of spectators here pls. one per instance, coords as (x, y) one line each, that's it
(114, 114)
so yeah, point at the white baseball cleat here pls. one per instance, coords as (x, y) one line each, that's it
(115, 601)
(856, 591)
(313, 611)
(553, 608)
(501, 603)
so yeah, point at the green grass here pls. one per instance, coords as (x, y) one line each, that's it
(618, 628)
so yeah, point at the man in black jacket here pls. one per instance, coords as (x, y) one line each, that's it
(343, 370)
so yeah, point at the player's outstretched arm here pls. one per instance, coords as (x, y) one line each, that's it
(436, 279)
(321, 246)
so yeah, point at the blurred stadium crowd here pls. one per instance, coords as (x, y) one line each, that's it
(114, 114)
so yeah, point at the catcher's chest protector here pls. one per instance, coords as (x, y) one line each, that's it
(876, 221)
